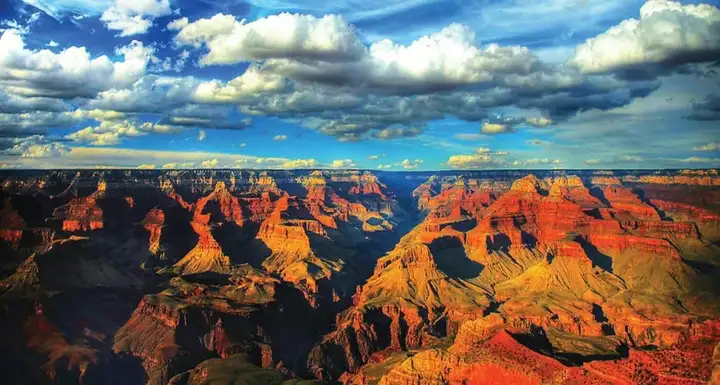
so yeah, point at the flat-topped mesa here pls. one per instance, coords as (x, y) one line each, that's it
(685, 179)
(605, 181)
(153, 223)
(11, 224)
(83, 213)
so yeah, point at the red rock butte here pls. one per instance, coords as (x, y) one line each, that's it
(353, 277)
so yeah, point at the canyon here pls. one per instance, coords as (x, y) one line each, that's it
(357, 278)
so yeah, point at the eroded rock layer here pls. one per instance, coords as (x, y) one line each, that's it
(199, 277)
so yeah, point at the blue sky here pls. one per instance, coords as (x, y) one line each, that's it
(377, 84)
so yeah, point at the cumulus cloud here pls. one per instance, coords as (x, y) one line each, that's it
(398, 132)
(713, 146)
(29, 123)
(201, 135)
(342, 163)
(134, 17)
(667, 33)
(52, 44)
(210, 163)
(508, 124)
(411, 164)
(112, 132)
(539, 121)
(485, 157)
(481, 159)
(293, 164)
(69, 73)
(178, 24)
(36, 146)
(496, 128)
(280, 137)
(286, 35)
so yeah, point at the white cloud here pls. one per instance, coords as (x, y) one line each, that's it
(210, 163)
(373, 157)
(111, 132)
(537, 161)
(411, 164)
(69, 73)
(667, 32)
(708, 147)
(178, 24)
(201, 135)
(698, 159)
(342, 163)
(280, 137)
(482, 158)
(496, 128)
(277, 36)
(539, 121)
(384, 166)
(52, 44)
(619, 159)
(398, 132)
(297, 163)
(134, 17)
(242, 145)
(36, 146)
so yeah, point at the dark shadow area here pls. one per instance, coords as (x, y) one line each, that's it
(535, 340)
(498, 242)
(465, 225)
(600, 195)
(599, 314)
(595, 213)
(450, 257)
(207, 278)
(599, 259)
(493, 307)
(700, 266)
(641, 194)
(528, 240)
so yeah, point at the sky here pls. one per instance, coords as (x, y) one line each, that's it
(371, 84)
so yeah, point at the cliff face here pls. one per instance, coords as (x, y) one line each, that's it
(450, 278)
(554, 253)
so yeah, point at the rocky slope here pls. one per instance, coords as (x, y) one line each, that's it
(194, 277)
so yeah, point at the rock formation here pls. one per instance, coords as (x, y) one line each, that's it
(487, 277)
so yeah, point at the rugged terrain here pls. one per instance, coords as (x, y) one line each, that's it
(293, 277)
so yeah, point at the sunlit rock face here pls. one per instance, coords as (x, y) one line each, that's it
(391, 278)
